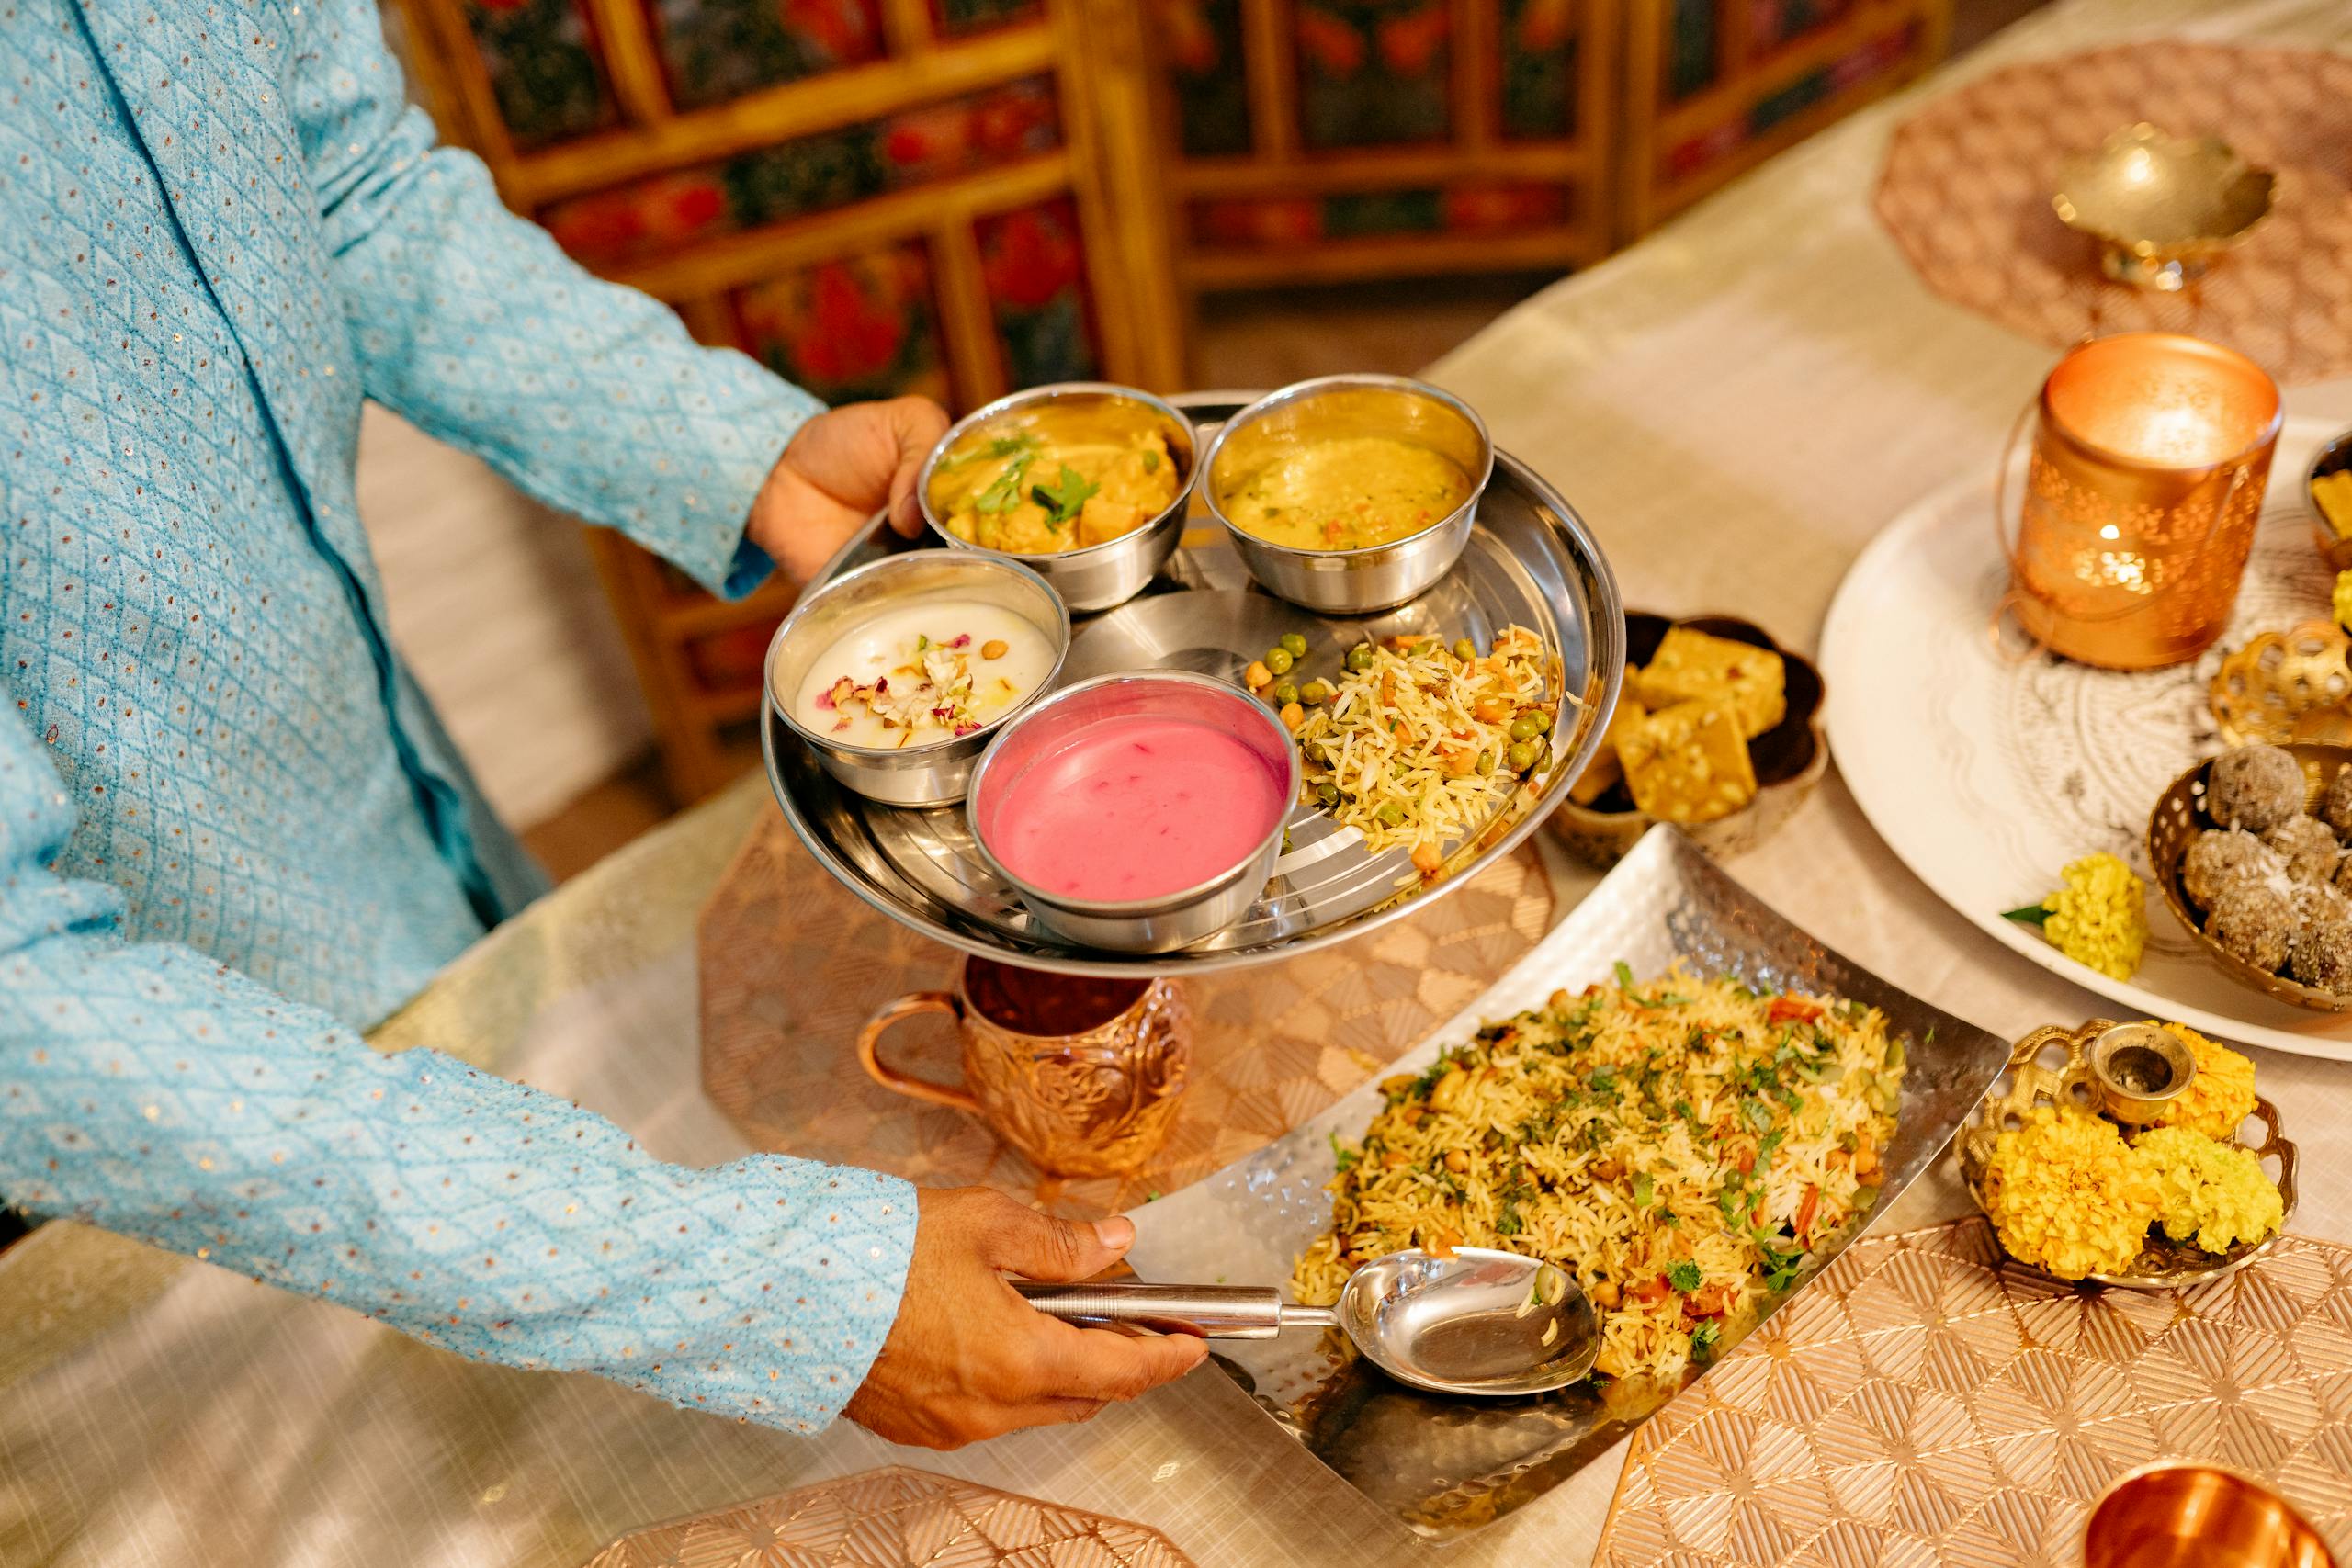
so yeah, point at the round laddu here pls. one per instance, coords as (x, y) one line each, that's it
(2321, 953)
(2219, 856)
(2310, 848)
(2253, 787)
(2254, 921)
(2335, 804)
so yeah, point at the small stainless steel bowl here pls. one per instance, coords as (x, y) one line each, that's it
(1098, 576)
(1171, 921)
(940, 772)
(1377, 577)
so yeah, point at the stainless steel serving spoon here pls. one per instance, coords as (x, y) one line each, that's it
(1477, 1322)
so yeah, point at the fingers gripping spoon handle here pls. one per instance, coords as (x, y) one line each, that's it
(1473, 1321)
(1212, 1312)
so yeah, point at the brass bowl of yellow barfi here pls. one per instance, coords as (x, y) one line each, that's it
(1717, 730)
(1349, 494)
(2327, 496)
(1083, 482)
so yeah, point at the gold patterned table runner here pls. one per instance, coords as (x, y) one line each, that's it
(792, 962)
(1968, 180)
(1926, 1402)
(895, 1517)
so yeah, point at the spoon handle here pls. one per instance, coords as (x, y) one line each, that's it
(1214, 1312)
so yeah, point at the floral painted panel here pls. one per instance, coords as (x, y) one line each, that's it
(1033, 266)
(1690, 45)
(812, 174)
(1773, 23)
(717, 50)
(1373, 72)
(859, 326)
(957, 18)
(1869, 60)
(1274, 222)
(1201, 40)
(1539, 69)
(545, 68)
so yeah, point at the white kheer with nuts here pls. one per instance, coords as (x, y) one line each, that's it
(918, 673)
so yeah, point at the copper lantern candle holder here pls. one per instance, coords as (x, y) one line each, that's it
(2151, 453)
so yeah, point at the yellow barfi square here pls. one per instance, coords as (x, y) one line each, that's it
(1691, 666)
(2333, 493)
(1688, 763)
(1607, 767)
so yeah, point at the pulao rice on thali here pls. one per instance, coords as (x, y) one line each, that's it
(1686, 1147)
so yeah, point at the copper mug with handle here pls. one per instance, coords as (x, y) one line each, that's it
(1081, 1074)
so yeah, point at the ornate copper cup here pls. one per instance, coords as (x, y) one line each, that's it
(1081, 1074)
(2183, 1514)
(2150, 452)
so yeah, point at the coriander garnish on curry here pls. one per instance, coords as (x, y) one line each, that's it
(1050, 477)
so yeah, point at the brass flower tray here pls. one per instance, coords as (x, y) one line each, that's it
(1789, 758)
(2284, 686)
(2049, 1067)
(2179, 818)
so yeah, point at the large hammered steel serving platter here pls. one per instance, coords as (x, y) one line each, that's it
(1530, 561)
(1446, 1465)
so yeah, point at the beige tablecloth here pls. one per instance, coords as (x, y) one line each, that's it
(1737, 404)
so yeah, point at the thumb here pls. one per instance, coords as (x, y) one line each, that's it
(916, 424)
(1039, 1247)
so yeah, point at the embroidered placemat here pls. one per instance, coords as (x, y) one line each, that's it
(1926, 1402)
(792, 964)
(1968, 180)
(895, 1517)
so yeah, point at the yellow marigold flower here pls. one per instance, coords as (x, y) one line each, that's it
(2343, 599)
(2213, 1191)
(2066, 1192)
(2219, 1098)
(2100, 917)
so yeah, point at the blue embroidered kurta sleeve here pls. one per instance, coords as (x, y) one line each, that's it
(231, 831)
(152, 1091)
(471, 324)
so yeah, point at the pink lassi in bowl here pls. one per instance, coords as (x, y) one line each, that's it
(1139, 813)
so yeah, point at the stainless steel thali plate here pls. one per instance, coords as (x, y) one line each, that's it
(1530, 561)
(1445, 1465)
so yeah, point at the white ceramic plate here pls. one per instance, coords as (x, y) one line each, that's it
(1987, 776)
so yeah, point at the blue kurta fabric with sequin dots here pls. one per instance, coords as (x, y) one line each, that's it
(230, 828)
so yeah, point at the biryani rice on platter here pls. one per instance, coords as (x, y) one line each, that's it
(1688, 1147)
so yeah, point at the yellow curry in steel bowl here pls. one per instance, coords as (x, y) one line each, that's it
(1056, 474)
(1346, 492)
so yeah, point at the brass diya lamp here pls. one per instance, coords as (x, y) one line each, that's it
(2161, 207)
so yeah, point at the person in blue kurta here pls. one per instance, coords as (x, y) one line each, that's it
(231, 833)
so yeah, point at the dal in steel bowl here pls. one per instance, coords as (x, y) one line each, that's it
(1371, 578)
